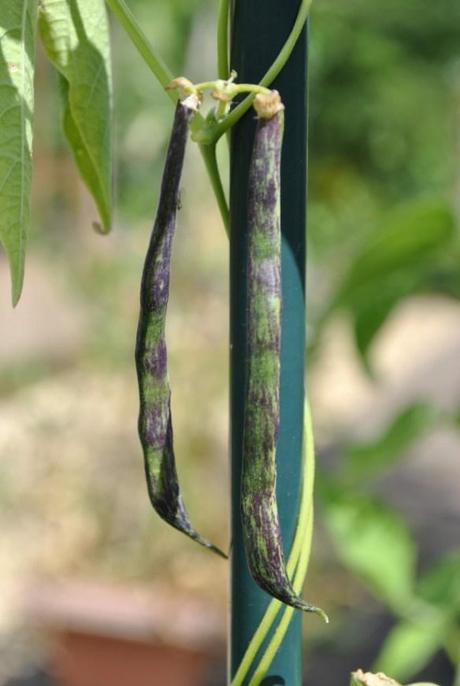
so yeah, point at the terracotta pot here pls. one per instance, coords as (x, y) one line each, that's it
(104, 635)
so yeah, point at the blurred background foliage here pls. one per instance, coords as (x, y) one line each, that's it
(383, 343)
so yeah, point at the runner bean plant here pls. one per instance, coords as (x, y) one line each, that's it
(75, 36)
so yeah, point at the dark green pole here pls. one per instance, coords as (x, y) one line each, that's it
(259, 28)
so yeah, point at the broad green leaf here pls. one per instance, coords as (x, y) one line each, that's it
(409, 646)
(399, 260)
(370, 313)
(76, 37)
(368, 318)
(373, 542)
(440, 587)
(363, 460)
(17, 56)
(411, 236)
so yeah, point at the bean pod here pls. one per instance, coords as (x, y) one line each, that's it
(259, 511)
(155, 424)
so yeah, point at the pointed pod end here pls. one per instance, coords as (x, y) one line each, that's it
(322, 614)
(318, 611)
(218, 551)
(268, 104)
(194, 535)
(306, 607)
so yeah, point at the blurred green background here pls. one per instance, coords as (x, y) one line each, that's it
(383, 343)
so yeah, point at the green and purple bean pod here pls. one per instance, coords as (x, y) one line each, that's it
(155, 423)
(259, 511)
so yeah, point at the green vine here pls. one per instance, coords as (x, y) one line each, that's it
(130, 24)
(208, 153)
(271, 74)
(207, 131)
(223, 68)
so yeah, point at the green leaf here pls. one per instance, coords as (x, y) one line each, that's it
(409, 646)
(17, 56)
(370, 313)
(76, 37)
(410, 237)
(398, 261)
(373, 542)
(440, 587)
(363, 460)
(367, 320)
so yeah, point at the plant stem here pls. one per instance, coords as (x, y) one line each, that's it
(253, 88)
(270, 74)
(139, 39)
(208, 153)
(236, 88)
(223, 69)
(164, 76)
(205, 85)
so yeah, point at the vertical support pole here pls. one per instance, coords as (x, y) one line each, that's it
(258, 32)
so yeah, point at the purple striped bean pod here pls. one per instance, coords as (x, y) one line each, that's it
(259, 511)
(155, 424)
